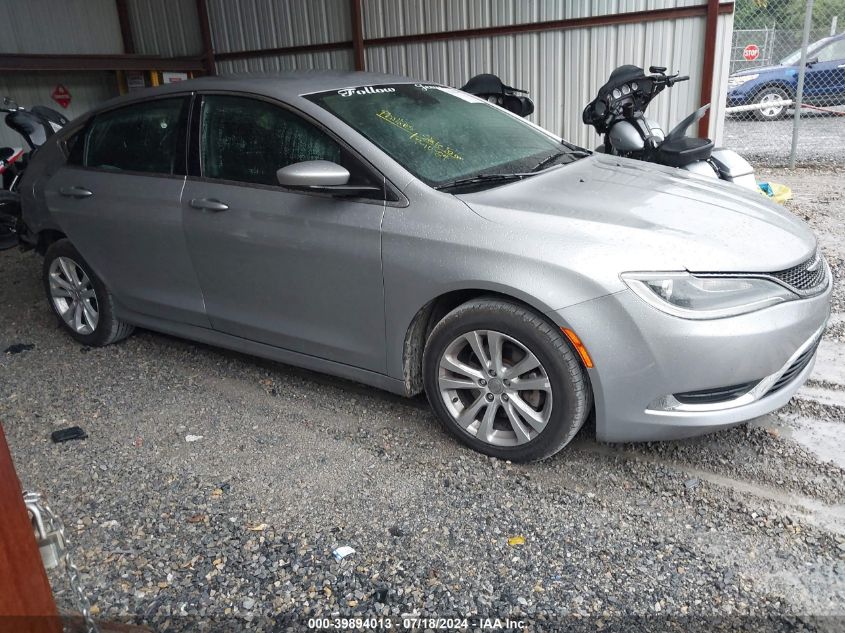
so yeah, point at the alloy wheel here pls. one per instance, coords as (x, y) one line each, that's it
(495, 388)
(73, 295)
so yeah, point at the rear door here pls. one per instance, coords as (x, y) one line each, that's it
(825, 78)
(118, 200)
(300, 271)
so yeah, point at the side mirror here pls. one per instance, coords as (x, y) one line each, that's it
(812, 61)
(321, 176)
(313, 173)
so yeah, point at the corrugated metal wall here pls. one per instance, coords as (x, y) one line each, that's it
(48, 26)
(561, 69)
(329, 60)
(256, 24)
(169, 28)
(67, 26)
(387, 18)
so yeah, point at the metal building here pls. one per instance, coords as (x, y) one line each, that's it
(559, 50)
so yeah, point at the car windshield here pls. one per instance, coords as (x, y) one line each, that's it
(795, 56)
(443, 135)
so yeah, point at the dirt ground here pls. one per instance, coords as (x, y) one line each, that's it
(235, 529)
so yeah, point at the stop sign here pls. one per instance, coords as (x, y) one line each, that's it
(751, 52)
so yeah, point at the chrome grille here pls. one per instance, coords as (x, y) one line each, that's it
(805, 277)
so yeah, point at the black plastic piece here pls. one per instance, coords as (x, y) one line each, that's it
(716, 395)
(70, 433)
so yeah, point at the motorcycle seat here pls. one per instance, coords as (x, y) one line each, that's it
(683, 151)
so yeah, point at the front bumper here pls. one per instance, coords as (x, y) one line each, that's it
(738, 99)
(641, 356)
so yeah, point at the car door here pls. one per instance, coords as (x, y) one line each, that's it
(825, 75)
(118, 201)
(295, 270)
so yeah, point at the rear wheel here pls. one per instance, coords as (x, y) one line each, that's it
(504, 381)
(79, 298)
(767, 100)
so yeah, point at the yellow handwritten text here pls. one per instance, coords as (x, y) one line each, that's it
(428, 142)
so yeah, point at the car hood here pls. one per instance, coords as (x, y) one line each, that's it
(640, 216)
(759, 70)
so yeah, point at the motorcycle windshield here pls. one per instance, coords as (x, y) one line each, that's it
(680, 130)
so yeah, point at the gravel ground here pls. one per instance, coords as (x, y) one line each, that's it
(820, 141)
(235, 531)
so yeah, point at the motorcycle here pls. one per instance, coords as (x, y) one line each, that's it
(618, 113)
(35, 125)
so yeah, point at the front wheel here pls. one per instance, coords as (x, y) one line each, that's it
(504, 381)
(79, 298)
(767, 100)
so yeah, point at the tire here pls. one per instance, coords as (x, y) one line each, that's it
(771, 93)
(70, 281)
(462, 401)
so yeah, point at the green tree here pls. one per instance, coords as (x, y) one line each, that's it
(787, 14)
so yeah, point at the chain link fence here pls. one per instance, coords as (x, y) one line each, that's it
(786, 91)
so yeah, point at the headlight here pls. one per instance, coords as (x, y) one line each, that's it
(735, 82)
(690, 297)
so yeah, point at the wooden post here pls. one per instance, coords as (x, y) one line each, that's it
(125, 27)
(205, 31)
(712, 21)
(357, 35)
(26, 599)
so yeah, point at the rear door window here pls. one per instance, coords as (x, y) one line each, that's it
(146, 137)
(832, 52)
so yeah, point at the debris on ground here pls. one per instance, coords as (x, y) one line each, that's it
(17, 348)
(68, 434)
(777, 192)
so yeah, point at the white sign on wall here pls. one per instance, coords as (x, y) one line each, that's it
(172, 78)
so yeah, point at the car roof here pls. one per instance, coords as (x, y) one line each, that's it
(287, 86)
(825, 41)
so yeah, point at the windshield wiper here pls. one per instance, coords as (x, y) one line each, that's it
(571, 150)
(548, 160)
(460, 182)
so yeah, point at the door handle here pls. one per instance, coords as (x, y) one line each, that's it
(76, 192)
(209, 204)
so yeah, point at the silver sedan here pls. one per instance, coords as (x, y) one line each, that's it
(413, 237)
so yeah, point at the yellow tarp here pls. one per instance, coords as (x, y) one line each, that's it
(777, 192)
